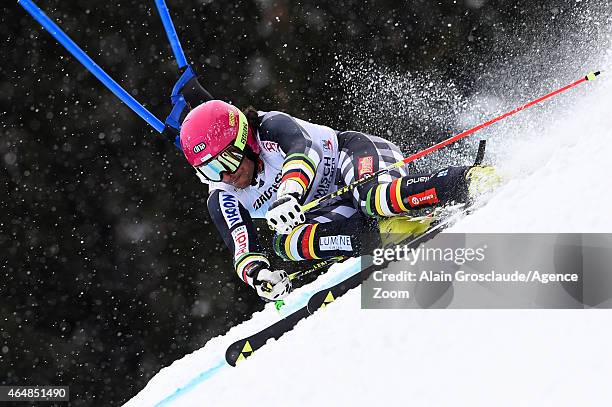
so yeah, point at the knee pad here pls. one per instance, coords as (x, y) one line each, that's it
(384, 200)
(298, 244)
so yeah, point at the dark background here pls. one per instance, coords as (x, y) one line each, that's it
(110, 266)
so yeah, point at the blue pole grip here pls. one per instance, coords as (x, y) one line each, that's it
(84, 59)
(171, 33)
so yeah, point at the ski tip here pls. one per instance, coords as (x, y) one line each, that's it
(592, 75)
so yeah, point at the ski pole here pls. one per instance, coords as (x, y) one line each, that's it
(181, 61)
(90, 65)
(299, 274)
(318, 266)
(313, 204)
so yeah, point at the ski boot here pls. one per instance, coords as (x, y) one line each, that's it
(482, 180)
(395, 229)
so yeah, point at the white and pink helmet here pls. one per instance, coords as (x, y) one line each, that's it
(214, 137)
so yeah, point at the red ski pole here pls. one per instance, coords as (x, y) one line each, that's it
(313, 204)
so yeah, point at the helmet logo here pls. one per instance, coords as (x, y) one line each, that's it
(232, 118)
(244, 132)
(199, 147)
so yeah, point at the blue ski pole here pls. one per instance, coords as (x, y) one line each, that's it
(181, 61)
(98, 72)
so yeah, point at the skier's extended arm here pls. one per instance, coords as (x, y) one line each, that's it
(194, 93)
(236, 227)
(187, 94)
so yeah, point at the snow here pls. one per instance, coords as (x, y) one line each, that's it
(558, 181)
(567, 164)
(349, 356)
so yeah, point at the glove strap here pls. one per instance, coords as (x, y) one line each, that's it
(290, 187)
(249, 264)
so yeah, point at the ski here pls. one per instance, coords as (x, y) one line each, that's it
(243, 348)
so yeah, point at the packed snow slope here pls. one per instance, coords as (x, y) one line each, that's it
(557, 160)
(558, 181)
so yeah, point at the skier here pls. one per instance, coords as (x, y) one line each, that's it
(268, 164)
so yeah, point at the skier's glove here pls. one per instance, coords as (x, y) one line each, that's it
(285, 214)
(272, 285)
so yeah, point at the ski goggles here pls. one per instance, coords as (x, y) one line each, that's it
(230, 158)
(227, 161)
